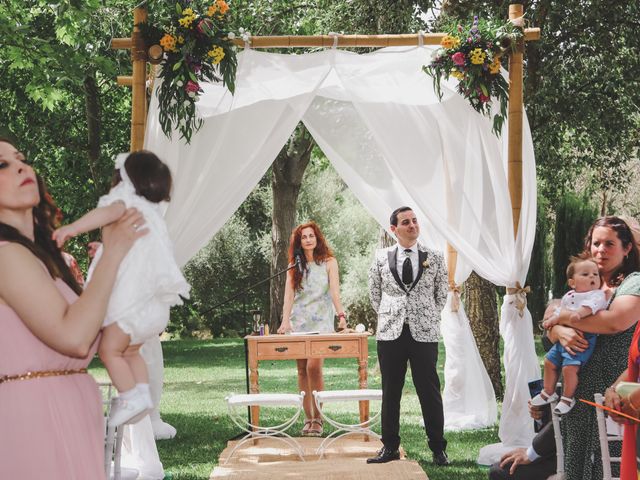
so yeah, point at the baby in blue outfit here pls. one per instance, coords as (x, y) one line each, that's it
(583, 300)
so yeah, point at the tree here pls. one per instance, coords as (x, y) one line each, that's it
(56, 78)
(481, 306)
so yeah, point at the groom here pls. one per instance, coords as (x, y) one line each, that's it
(408, 290)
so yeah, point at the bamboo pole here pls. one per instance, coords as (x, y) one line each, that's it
(121, 43)
(515, 125)
(138, 86)
(452, 261)
(124, 80)
(352, 41)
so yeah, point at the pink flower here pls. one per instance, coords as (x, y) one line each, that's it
(458, 58)
(192, 86)
(483, 98)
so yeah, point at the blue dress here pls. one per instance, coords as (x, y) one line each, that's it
(312, 306)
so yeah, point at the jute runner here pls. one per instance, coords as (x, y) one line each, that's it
(345, 460)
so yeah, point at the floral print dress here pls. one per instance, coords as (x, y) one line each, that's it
(312, 307)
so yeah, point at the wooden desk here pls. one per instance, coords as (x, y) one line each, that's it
(294, 347)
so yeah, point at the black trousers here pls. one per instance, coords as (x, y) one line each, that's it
(393, 356)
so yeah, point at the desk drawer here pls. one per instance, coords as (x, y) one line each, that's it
(281, 350)
(335, 348)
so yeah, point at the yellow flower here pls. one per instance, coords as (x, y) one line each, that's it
(495, 65)
(457, 74)
(187, 18)
(180, 39)
(217, 54)
(168, 43)
(477, 56)
(449, 41)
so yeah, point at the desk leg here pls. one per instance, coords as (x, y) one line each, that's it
(253, 385)
(362, 377)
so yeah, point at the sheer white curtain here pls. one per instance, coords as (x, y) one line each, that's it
(379, 122)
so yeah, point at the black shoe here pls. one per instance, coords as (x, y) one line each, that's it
(385, 455)
(441, 459)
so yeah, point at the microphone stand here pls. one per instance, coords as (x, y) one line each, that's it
(246, 348)
(249, 288)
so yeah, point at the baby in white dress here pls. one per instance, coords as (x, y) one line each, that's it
(148, 283)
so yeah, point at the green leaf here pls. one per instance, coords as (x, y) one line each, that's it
(178, 9)
(484, 89)
(177, 65)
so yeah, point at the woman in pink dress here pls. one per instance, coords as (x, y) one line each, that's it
(50, 409)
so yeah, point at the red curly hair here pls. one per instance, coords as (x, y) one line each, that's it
(321, 253)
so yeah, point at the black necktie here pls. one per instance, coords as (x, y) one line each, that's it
(407, 269)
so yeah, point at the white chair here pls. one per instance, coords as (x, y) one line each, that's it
(113, 440)
(557, 435)
(343, 429)
(237, 408)
(605, 438)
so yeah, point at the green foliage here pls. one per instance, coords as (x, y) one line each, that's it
(234, 259)
(574, 216)
(539, 274)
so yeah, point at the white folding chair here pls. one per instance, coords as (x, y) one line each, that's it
(113, 440)
(237, 406)
(557, 435)
(606, 438)
(343, 429)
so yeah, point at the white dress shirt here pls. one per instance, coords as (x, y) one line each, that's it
(401, 255)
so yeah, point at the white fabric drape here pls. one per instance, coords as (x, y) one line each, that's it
(379, 122)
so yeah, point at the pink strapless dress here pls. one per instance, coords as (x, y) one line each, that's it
(50, 427)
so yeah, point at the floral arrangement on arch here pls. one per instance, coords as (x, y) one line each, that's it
(197, 47)
(474, 58)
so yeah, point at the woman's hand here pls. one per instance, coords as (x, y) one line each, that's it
(572, 340)
(285, 327)
(342, 322)
(613, 400)
(119, 236)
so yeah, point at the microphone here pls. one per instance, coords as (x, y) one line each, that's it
(297, 254)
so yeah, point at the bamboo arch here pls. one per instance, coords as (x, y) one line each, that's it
(140, 57)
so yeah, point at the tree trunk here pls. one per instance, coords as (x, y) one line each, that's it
(287, 172)
(92, 112)
(480, 303)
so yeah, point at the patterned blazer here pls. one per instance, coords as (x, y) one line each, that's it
(420, 304)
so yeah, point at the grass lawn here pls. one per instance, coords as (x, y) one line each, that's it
(200, 373)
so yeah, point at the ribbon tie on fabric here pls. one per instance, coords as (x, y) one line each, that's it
(455, 297)
(520, 294)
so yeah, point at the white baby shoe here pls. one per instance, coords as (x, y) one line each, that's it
(543, 398)
(131, 410)
(564, 406)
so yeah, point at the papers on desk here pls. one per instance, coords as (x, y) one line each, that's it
(315, 332)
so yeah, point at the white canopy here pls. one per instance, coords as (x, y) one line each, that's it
(379, 122)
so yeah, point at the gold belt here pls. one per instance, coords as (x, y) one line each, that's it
(40, 374)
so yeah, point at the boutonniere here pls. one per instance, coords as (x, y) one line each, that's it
(425, 264)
